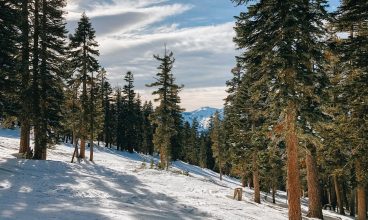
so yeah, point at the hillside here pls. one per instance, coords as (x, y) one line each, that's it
(119, 185)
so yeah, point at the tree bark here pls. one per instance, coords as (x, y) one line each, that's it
(338, 195)
(82, 153)
(362, 214)
(293, 173)
(314, 200)
(25, 122)
(24, 136)
(257, 192)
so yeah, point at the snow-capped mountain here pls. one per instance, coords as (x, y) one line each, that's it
(203, 116)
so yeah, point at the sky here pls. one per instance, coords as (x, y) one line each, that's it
(198, 32)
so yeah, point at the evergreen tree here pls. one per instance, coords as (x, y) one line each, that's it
(353, 18)
(288, 55)
(148, 129)
(9, 15)
(108, 113)
(24, 114)
(131, 113)
(47, 85)
(218, 143)
(166, 117)
(83, 57)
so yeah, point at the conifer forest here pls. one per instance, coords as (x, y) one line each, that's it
(85, 134)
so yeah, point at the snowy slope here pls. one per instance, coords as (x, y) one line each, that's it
(202, 115)
(117, 186)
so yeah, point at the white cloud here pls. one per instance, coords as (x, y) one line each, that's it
(193, 99)
(130, 32)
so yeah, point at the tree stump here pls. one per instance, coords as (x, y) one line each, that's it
(238, 193)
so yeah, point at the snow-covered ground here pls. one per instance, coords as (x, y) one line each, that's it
(119, 185)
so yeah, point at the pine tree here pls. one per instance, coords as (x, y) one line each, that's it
(120, 117)
(353, 18)
(217, 143)
(131, 114)
(166, 117)
(47, 85)
(83, 57)
(288, 54)
(25, 76)
(148, 129)
(108, 112)
(9, 14)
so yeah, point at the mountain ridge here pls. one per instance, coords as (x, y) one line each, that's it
(203, 116)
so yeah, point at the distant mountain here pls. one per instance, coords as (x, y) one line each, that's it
(202, 115)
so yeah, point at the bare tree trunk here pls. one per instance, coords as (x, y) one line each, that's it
(257, 192)
(314, 201)
(293, 173)
(362, 214)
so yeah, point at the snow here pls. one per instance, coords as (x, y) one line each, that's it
(203, 116)
(119, 185)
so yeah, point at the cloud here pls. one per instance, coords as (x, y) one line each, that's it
(208, 96)
(130, 32)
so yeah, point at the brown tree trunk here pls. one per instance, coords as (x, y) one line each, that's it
(362, 214)
(273, 193)
(24, 136)
(257, 192)
(352, 202)
(314, 201)
(220, 172)
(91, 150)
(338, 195)
(25, 121)
(293, 173)
(82, 148)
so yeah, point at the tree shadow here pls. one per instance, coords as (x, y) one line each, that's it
(57, 190)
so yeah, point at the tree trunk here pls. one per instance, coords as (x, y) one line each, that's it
(91, 150)
(91, 122)
(24, 136)
(293, 173)
(24, 119)
(273, 193)
(362, 214)
(82, 148)
(220, 172)
(257, 192)
(35, 85)
(338, 195)
(244, 180)
(352, 202)
(314, 200)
